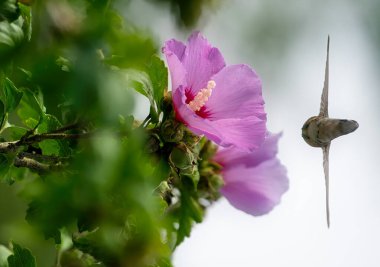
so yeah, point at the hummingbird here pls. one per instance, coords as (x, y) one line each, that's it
(319, 131)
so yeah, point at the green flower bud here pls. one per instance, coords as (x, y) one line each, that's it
(208, 150)
(182, 157)
(190, 139)
(153, 144)
(167, 105)
(216, 181)
(172, 131)
(163, 187)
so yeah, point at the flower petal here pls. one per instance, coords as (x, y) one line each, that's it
(175, 47)
(230, 157)
(174, 52)
(196, 124)
(255, 190)
(201, 61)
(237, 94)
(245, 134)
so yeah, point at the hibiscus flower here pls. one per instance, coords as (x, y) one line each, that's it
(223, 103)
(255, 181)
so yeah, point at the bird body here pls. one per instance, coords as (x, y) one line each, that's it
(319, 131)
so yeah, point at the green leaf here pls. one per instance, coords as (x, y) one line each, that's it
(11, 95)
(4, 165)
(31, 109)
(14, 174)
(189, 212)
(158, 74)
(164, 262)
(11, 36)
(21, 257)
(2, 115)
(13, 133)
(184, 230)
(128, 48)
(152, 84)
(52, 147)
(36, 216)
(8, 9)
(4, 254)
(26, 13)
(140, 81)
(48, 123)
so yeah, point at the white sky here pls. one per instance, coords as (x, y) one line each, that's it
(295, 233)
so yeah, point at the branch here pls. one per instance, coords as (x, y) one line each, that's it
(43, 163)
(12, 146)
(6, 147)
(73, 126)
(31, 164)
(36, 138)
(43, 158)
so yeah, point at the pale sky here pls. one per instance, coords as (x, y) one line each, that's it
(295, 233)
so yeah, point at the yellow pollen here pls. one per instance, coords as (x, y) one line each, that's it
(202, 97)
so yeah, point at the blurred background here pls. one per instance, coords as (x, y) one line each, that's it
(286, 43)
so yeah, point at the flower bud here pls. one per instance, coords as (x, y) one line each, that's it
(181, 157)
(167, 105)
(153, 144)
(216, 181)
(172, 131)
(208, 150)
(190, 139)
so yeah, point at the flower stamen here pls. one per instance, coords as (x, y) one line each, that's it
(202, 97)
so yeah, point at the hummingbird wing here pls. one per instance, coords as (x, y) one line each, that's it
(325, 150)
(323, 112)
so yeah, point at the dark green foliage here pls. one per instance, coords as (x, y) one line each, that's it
(21, 257)
(11, 95)
(187, 12)
(102, 188)
(8, 10)
(158, 74)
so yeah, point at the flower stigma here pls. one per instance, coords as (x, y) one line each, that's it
(202, 97)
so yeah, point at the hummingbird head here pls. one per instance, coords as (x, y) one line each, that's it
(310, 132)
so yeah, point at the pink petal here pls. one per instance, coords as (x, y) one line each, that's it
(201, 62)
(196, 124)
(175, 47)
(174, 52)
(255, 190)
(237, 94)
(230, 157)
(245, 134)
(193, 65)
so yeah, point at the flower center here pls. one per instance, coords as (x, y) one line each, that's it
(202, 97)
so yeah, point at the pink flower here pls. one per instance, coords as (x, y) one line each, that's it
(254, 182)
(224, 103)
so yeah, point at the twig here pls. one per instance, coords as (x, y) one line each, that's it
(6, 147)
(36, 138)
(43, 158)
(31, 164)
(73, 126)
(38, 162)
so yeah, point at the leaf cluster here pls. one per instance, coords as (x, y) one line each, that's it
(91, 185)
